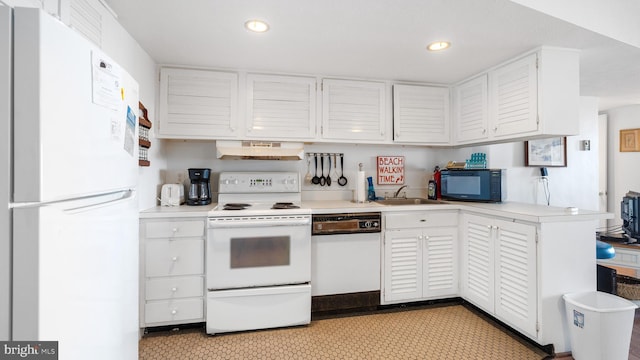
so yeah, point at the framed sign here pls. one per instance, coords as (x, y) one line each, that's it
(629, 140)
(546, 152)
(390, 170)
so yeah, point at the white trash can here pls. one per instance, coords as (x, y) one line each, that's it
(600, 325)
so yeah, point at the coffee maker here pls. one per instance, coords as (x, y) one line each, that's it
(200, 188)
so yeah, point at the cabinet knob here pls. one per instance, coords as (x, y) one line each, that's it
(175, 230)
(495, 129)
(174, 289)
(420, 237)
(174, 311)
(175, 258)
(423, 220)
(484, 131)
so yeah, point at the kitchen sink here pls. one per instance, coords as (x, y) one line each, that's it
(409, 201)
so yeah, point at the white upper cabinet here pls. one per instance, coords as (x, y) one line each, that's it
(281, 107)
(513, 98)
(421, 114)
(353, 110)
(471, 109)
(533, 96)
(198, 104)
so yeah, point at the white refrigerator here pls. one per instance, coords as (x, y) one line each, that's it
(69, 240)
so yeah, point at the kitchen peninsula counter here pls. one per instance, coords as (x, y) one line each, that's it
(514, 210)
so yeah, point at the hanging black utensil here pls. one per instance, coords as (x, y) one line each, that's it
(323, 180)
(316, 179)
(342, 181)
(329, 172)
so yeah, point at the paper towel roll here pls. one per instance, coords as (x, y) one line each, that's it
(361, 194)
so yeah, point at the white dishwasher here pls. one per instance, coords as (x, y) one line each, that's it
(345, 253)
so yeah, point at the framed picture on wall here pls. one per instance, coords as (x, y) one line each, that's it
(546, 152)
(629, 140)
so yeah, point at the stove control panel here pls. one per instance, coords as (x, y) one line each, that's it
(258, 182)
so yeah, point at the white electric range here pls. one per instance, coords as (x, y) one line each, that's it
(258, 267)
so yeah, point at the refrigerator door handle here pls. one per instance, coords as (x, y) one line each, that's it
(125, 195)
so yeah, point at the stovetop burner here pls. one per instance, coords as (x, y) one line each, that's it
(235, 206)
(284, 205)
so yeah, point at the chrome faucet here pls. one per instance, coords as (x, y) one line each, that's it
(398, 192)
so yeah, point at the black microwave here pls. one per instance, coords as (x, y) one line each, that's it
(483, 185)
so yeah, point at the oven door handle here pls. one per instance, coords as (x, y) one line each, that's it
(230, 224)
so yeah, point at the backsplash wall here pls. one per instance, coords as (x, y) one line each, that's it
(419, 165)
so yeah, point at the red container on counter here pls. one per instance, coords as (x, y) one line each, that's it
(437, 179)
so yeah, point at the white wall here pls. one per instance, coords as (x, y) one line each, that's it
(623, 167)
(576, 185)
(419, 164)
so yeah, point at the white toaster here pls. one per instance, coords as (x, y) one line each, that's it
(172, 195)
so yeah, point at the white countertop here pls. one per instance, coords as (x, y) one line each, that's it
(518, 211)
(535, 213)
(177, 211)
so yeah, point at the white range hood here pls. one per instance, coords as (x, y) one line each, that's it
(259, 150)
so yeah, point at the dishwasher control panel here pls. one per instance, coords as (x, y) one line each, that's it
(346, 223)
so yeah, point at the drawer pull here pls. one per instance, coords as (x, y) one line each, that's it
(423, 220)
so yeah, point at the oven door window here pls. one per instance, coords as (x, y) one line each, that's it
(251, 252)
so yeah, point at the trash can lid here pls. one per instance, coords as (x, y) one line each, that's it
(598, 301)
(604, 250)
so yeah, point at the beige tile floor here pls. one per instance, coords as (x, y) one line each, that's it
(448, 332)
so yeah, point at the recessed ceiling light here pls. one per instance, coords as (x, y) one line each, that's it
(438, 45)
(255, 25)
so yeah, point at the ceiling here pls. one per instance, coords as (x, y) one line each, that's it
(376, 39)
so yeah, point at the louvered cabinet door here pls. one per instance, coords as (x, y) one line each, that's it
(281, 107)
(353, 110)
(421, 114)
(198, 104)
(471, 110)
(402, 265)
(514, 98)
(516, 286)
(440, 262)
(478, 262)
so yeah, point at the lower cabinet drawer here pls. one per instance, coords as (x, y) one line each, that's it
(419, 219)
(174, 257)
(174, 287)
(174, 311)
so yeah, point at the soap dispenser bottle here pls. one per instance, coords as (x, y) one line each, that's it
(371, 194)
